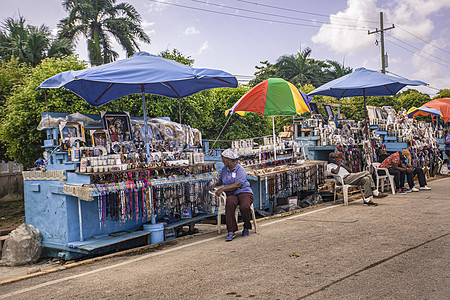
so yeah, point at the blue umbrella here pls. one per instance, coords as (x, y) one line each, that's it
(364, 82)
(141, 73)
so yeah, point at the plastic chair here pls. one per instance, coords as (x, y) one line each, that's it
(382, 178)
(340, 185)
(221, 209)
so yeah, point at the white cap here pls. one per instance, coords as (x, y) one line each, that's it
(230, 153)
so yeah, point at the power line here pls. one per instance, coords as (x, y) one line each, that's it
(269, 14)
(253, 18)
(418, 49)
(423, 40)
(428, 86)
(418, 54)
(302, 12)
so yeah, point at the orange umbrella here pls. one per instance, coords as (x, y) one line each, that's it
(443, 105)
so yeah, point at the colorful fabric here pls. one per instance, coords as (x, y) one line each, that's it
(391, 160)
(273, 97)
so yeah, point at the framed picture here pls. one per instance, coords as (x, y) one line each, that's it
(75, 154)
(379, 114)
(314, 108)
(329, 111)
(71, 132)
(371, 112)
(99, 137)
(118, 126)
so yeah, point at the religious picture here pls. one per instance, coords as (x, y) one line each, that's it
(69, 131)
(99, 137)
(118, 126)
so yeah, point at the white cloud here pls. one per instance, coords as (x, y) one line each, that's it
(410, 15)
(346, 40)
(203, 47)
(433, 72)
(148, 27)
(191, 30)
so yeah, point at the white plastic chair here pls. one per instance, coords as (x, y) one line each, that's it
(221, 209)
(382, 178)
(344, 187)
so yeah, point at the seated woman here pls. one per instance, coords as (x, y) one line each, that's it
(235, 184)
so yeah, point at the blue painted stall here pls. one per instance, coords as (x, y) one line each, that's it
(65, 206)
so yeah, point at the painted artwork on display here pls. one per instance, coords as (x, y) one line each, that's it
(118, 126)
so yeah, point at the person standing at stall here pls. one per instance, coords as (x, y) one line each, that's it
(237, 188)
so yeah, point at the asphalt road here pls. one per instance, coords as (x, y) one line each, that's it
(397, 250)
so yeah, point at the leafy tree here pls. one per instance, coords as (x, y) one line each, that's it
(97, 21)
(12, 74)
(445, 93)
(410, 98)
(177, 56)
(30, 44)
(335, 70)
(297, 68)
(266, 71)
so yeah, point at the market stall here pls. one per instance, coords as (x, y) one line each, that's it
(98, 188)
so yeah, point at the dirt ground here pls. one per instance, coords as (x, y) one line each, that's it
(11, 213)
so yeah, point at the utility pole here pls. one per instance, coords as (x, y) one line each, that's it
(381, 31)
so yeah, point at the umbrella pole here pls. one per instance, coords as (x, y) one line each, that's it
(179, 109)
(147, 147)
(274, 140)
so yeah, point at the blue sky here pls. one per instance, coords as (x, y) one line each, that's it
(236, 39)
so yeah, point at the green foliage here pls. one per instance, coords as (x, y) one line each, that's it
(177, 56)
(30, 44)
(410, 98)
(266, 71)
(445, 93)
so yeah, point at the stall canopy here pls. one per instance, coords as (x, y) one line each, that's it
(272, 97)
(142, 73)
(422, 111)
(364, 82)
(442, 105)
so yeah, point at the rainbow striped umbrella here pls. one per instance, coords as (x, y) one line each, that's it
(272, 97)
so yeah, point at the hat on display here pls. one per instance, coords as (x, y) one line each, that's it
(230, 153)
(407, 154)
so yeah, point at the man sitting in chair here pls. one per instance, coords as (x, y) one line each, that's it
(362, 179)
(397, 162)
(235, 184)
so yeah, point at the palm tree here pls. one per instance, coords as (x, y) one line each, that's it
(336, 70)
(30, 44)
(97, 21)
(298, 68)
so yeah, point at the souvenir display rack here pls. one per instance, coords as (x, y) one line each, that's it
(286, 181)
(100, 183)
(396, 131)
